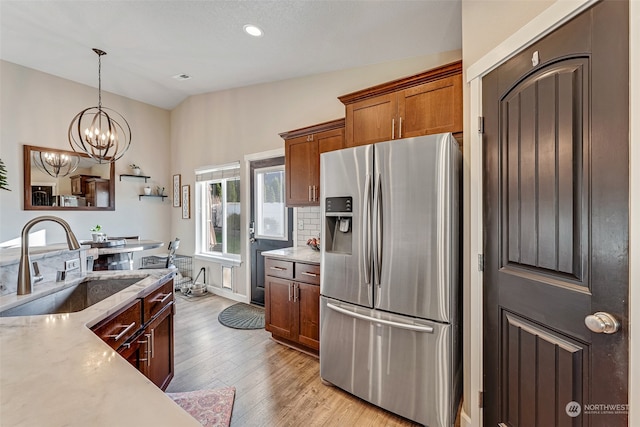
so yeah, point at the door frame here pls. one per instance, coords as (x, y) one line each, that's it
(547, 21)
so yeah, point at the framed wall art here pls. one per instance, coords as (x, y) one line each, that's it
(176, 191)
(186, 198)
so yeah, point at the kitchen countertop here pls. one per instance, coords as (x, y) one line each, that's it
(55, 371)
(296, 253)
(130, 246)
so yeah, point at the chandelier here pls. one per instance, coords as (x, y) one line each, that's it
(56, 164)
(100, 132)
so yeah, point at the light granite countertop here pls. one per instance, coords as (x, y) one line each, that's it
(296, 253)
(55, 371)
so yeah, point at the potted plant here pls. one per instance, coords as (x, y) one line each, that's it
(135, 168)
(96, 235)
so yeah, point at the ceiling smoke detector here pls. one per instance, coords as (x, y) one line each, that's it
(182, 77)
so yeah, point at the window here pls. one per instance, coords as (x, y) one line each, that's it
(271, 212)
(218, 213)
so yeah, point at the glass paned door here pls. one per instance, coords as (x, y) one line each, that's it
(271, 221)
(271, 212)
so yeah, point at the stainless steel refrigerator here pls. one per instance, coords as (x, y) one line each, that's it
(390, 275)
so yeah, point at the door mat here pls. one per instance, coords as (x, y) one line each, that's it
(242, 316)
(212, 408)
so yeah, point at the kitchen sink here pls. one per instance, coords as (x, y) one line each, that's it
(72, 299)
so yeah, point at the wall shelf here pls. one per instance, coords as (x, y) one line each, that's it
(140, 196)
(135, 176)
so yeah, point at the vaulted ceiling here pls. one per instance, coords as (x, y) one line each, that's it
(148, 42)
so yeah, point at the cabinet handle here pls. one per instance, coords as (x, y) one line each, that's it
(309, 274)
(163, 299)
(149, 351)
(400, 128)
(289, 291)
(153, 343)
(309, 193)
(296, 289)
(146, 351)
(315, 196)
(278, 268)
(126, 329)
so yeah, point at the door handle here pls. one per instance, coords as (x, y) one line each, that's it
(602, 323)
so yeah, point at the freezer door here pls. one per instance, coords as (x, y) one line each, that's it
(416, 226)
(397, 363)
(345, 269)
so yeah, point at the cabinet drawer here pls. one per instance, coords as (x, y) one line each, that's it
(119, 328)
(158, 299)
(278, 268)
(309, 273)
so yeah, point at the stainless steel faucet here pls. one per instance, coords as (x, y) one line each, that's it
(24, 269)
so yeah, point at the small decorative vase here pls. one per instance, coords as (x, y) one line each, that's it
(137, 171)
(147, 191)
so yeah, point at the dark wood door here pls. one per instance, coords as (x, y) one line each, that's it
(556, 226)
(259, 244)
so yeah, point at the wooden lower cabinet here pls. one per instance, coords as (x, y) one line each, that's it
(292, 307)
(144, 332)
(159, 367)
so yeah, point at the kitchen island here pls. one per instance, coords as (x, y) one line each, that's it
(55, 371)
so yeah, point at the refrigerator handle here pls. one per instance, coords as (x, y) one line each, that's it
(409, 326)
(377, 200)
(366, 230)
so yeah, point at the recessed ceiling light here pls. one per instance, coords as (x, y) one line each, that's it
(182, 77)
(252, 30)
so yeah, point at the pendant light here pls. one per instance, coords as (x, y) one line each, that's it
(100, 132)
(55, 164)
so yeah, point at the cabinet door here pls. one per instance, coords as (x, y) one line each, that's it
(430, 108)
(371, 120)
(279, 307)
(302, 170)
(308, 307)
(329, 141)
(159, 332)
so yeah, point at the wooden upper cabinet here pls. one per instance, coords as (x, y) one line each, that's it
(424, 104)
(302, 160)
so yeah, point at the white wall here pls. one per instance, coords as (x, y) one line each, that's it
(36, 109)
(223, 127)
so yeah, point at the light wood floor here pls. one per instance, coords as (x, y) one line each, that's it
(275, 385)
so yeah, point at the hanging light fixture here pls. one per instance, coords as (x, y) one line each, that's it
(55, 164)
(100, 132)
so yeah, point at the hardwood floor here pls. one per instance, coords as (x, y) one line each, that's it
(275, 385)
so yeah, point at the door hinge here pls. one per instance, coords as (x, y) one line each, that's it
(480, 262)
(480, 124)
(481, 399)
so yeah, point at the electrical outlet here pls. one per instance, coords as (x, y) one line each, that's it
(300, 224)
(72, 264)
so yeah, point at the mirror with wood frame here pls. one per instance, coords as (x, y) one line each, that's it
(88, 187)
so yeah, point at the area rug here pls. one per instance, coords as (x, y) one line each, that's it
(212, 408)
(242, 316)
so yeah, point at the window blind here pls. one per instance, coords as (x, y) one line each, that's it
(230, 170)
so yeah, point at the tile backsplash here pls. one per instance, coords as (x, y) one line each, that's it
(310, 217)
